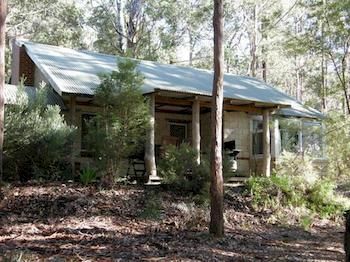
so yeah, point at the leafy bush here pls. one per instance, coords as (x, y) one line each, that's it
(294, 191)
(322, 198)
(87, 176)
(296, 184)
(338, 145)
(181, 172)
(291, 164)
(38, 142)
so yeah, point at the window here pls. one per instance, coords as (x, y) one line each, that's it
(290, 140)
(312, 139)
(258, 137)
(178, 130)
(85, 119)
(298, 136)
(290, 134)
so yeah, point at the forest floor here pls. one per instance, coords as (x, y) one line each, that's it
(68, 222)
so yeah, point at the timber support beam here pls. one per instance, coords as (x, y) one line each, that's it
(196, 136)
(150, 159)
(266, 143)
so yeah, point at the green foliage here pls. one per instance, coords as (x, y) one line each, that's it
(322, 199)
(38, 142)
(181, 172)
(152, 207)
(290, 164)
(306, 222)
(119, 128)
(338, 145)
(277, 191)
(45, 21)
(129, 28)
(296, 185)
(88, 176)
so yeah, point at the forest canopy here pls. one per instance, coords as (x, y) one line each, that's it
(301, 47)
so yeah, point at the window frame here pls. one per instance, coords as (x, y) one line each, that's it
(84, 152)
(254, 132)
(185, 125)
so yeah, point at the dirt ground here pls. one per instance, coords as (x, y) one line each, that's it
(68, 222)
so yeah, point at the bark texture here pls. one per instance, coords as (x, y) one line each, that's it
(3, 13)
(216, 187)
(347, 236)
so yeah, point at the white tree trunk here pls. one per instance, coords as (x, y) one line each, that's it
(120, 25)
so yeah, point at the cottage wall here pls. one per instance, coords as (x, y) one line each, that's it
(22, 66)
(237, 127)
(38, 77)
(162, 128)
(205, 132)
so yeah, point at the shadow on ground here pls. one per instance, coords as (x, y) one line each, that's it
(75, 224)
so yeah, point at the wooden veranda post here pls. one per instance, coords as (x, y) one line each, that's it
(196, 136)
(216, 226)
(150, 159)
(266, 143)
(73, 111)
(3, 13)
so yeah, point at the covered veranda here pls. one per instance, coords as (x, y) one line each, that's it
(193, 112)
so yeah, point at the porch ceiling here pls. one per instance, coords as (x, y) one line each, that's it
(181, 102)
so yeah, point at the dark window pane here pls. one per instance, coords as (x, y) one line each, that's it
(85, 120)
(179, 131)
(258, 143)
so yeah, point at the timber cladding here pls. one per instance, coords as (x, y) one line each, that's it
(237, 128)
(26, 67)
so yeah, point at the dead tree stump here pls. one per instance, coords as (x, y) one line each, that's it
(347, 236)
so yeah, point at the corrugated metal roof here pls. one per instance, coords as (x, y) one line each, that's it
(76, 72)
(10, 95)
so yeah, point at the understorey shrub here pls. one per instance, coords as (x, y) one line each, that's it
(152, 206)
(192, 217)
(38, 142)
(292, 164)
(180, 171)
(296, 189)
(119, 129)
(182, 174)
(337, 138)
(88, 176)
(277, 192)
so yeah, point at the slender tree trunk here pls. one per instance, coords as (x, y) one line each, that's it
(217, 188)
(346, 84)
(120, 25)
(190, 55)
(323, 71)
(263, 49)
(323, 91)
(3, 13)
(253, 42)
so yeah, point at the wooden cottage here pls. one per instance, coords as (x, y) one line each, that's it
(179, 103)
